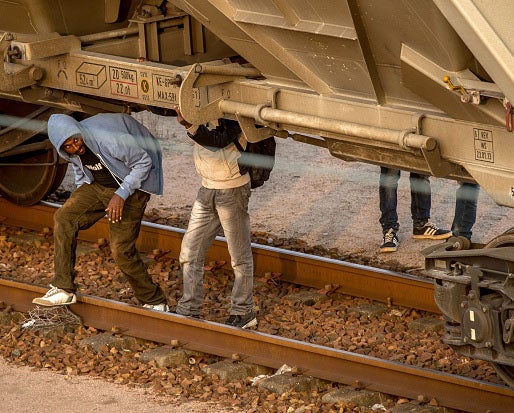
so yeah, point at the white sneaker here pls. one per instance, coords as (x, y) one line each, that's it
(55, 296)
(158, 307)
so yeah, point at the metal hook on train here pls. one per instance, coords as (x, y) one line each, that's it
(453, 86)
(509, 116)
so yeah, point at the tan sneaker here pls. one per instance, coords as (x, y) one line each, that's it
(55, 296)
(157, 307)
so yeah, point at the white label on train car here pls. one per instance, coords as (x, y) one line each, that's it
(90, 75)
(164, 89)
(483, 145)
(123, 82)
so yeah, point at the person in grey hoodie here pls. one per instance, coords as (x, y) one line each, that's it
(117, 165)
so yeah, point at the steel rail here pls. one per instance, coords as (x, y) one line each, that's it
(308, 270)
(273, 351)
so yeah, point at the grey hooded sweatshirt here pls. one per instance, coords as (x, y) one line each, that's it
(124, 146)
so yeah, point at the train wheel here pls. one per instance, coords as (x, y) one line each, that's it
(28, 177)
(506, 239)
(30, 168)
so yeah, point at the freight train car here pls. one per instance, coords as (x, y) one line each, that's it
(419, 85)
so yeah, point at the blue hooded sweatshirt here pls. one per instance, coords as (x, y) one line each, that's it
(124, 146)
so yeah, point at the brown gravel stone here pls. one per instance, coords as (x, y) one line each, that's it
(283, 383)
(165, 356)
(232, 371)
(427, 324)
(306, 297)
(350, 396)
(109, 341)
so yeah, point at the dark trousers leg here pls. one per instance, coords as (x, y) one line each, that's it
(466, 200)
(80, 211)
(421, 199)
(388, 187)
(123, 237)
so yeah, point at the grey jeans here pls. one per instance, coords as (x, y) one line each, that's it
(212, 210)
(85, 206)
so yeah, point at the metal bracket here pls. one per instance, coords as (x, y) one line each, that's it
(508, 331)
(194, 103)
(509, 116)
(476, 274)
(272, 103)
(148, 37)
(252, 133)
(432, 154)
(50, 45)
(189, 99)
(430, 150)
(11, 81)
(418, 118)
(14, 77)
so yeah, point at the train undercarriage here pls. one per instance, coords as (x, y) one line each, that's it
(474, 288)
(422, 86)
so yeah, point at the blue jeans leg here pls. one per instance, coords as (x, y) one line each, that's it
(466, 200)
(215, 209)
(203, 226)
(421, 198)
(387, 191)
(232, 207)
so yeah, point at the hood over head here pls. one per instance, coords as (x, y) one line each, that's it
(60, 128)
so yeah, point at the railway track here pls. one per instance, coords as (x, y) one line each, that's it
(303, 269)
(268, 350)
(272, 351)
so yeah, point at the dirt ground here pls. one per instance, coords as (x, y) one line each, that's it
(26, 390)
(323, 200)
(310, 195)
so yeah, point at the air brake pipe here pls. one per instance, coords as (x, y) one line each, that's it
(262, 114)
(130, 31)
(226, 70)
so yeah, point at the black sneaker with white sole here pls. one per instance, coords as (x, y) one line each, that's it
(390, 242)
(430, 231)
(242, 321)
(197, 316)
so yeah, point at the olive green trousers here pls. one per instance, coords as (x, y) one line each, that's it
(86, 206)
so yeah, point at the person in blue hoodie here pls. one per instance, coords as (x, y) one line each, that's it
(117, 165)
